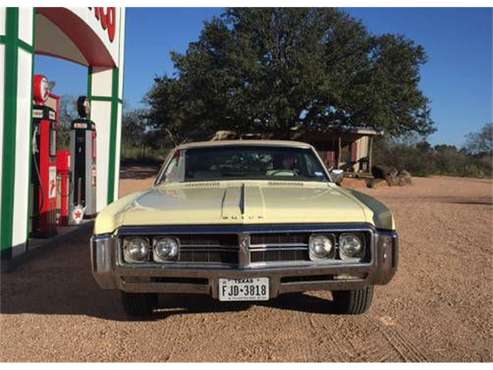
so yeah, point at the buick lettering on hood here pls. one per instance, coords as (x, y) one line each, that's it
(244, 220)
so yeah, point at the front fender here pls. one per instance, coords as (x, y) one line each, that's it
(381, 215)
(111, 217)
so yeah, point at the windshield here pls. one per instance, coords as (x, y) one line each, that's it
(244, 163)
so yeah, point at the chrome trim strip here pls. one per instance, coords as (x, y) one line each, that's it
(277, 245)
(206, 272)
(102, 248)
(242, 228)
(101, 253)
(244, 250)
(268, 248)
(230, 247)
(208, 249)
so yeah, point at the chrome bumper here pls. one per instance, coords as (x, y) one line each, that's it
(111, 273)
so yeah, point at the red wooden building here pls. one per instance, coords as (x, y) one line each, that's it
(347, 148)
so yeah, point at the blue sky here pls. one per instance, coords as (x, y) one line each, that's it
(457, 77)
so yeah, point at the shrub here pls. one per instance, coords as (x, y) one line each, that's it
(421, 159)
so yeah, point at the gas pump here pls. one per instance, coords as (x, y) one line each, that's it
(83, 162)
(44, 172)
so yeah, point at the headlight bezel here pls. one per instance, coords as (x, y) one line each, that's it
(330, 254)
(344, 254)
(127, 241)
(156, 257)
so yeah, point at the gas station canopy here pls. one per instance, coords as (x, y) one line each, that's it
(85, 36)
(90, 36)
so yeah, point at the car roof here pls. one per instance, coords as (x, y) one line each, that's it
(218, 143)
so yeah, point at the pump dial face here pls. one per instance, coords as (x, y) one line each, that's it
(41, 89)
(83, 107)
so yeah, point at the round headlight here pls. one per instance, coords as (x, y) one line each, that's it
(165, 249)
(135, 249)
(350, 247)
(320, 247)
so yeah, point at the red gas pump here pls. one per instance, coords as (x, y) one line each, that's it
(63, 169)
(44, 170)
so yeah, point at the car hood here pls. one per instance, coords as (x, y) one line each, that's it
(235, 202)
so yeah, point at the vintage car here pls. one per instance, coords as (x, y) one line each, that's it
(244, 220)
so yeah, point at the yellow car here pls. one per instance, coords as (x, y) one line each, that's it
(244, 220)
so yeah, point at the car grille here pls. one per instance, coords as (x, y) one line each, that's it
(279, 239)
(209, 248)
(268, 247)
(278, 256)
(279, 247)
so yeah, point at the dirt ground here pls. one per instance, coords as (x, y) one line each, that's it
(437, 308)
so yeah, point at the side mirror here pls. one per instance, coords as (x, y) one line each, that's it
(337, 175)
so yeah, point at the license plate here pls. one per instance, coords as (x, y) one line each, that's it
(254, 289)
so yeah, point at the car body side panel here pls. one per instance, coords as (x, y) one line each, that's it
(380, 216)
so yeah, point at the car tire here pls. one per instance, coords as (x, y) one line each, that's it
(353, 302)
(139, 304)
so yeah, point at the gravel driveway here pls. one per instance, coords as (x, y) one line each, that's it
(437, 308)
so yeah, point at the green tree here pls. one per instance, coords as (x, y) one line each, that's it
(133, 131)
(68, 112)
(481, 142)
(269, 69)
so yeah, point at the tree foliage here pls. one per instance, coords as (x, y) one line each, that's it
(422, 159)
(481, 143)
(269, 69)
(68, 112)
(139, 139)
(133, 127)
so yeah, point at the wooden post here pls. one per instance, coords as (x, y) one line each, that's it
(339, 150)
(370, 146)
(354, 155)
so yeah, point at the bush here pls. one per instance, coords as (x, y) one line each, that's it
(143, 153)
(421, 159)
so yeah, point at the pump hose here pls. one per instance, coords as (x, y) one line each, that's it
(34, 150)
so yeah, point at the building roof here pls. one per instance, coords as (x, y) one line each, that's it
(279, 143)
(356, 130)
